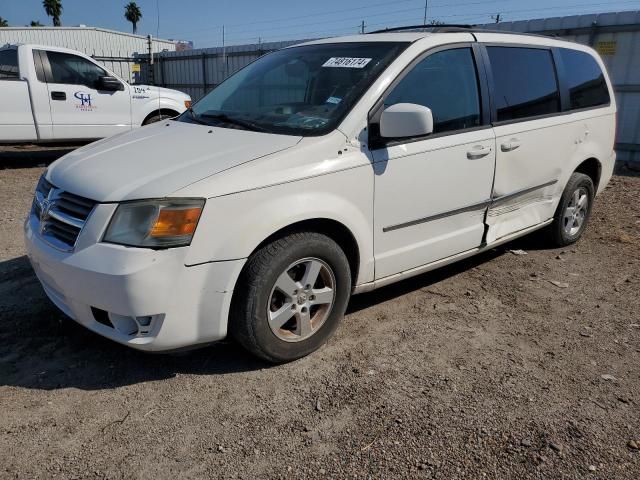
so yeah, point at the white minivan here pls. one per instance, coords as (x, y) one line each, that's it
(319, 171)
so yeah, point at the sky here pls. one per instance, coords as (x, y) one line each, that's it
(251, 21)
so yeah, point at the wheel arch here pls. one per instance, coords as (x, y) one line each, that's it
(592, 167)
(333, 229)
(161, 111)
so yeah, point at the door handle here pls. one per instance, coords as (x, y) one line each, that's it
(58, 96)
(510, 145)
(478, 151)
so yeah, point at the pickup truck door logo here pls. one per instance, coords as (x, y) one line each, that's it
(85, 101)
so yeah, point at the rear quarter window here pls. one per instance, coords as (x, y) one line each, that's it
(585, 80)
(9, 64)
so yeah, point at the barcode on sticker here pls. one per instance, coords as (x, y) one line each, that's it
(346, 62)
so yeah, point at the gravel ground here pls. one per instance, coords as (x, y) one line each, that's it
(485, 369)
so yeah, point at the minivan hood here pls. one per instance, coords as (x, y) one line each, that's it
(155, 161)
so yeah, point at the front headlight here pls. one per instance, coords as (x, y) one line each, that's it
(155, 223)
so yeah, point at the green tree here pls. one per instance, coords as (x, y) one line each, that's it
(3, 22)
(36, 23)
(54, 10)
(133, 14)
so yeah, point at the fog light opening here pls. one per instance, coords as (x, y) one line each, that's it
(144, 321)
(123, 324)
(145, 324)
(128, 325)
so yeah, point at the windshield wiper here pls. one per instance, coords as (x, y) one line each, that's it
(235, 121)
(194, 116)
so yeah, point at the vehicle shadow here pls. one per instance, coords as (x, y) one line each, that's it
(31, 156)
(40, 348)
(533, 242)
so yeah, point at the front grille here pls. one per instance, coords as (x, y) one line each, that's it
(60, 215)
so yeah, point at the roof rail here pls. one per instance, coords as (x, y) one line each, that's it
(422, 27)
(449, 28)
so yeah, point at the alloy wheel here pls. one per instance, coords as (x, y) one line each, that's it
(301, 300)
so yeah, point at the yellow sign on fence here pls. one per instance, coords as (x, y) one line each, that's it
(135, 68)
(606, 48)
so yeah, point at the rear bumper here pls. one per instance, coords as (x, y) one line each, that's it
(115, 290)
(607, 171)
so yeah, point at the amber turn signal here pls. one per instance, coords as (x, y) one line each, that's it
(174, 222)
(187, 104)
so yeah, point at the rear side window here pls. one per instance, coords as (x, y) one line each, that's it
(447, 83)
(585, 80)
(9, 64)
(525, 82)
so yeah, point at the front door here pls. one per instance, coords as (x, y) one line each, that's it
(431, 193)
(78, 108)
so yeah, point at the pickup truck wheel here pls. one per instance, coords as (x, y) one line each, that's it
(574, 210)
(158, 118)
(291, 297)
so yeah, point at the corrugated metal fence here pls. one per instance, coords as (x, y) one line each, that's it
(196, 72)
(615, 35)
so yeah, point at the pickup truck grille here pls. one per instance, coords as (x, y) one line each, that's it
(60, 215)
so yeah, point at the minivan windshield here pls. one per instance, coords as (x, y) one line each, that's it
(304, 90)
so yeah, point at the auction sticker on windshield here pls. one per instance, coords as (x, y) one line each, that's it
(346, 62)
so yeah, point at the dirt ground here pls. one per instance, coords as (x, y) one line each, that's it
(485, 369)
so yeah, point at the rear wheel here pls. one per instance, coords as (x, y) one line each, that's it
(574, 210)
(291, 297)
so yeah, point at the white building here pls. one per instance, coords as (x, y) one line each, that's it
(116, 50)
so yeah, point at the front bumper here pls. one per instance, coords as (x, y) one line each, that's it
(113, 290)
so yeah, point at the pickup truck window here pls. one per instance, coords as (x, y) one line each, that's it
(9, 64)
(73, 70)
(304, 90)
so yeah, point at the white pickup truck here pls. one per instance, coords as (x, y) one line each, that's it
(50, 94)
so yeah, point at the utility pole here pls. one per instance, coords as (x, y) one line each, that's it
(224, 56)
(426, 6)
(362, 27)
(150, 49)
(496, 18)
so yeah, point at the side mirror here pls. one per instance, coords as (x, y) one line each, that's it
(406, 120)
(110, 84)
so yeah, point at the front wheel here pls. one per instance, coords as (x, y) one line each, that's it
(574, 210)
(291, 297)
(158, 118)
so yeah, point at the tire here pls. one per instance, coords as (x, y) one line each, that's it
(268, 315)
(157, 118)
(569, 223)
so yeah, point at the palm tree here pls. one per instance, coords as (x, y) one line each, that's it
(54, 10)
(36, 23)
(133, 14)
(3, 22)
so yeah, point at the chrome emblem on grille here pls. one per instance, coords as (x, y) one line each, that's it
(60, 216)
(45, 207)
